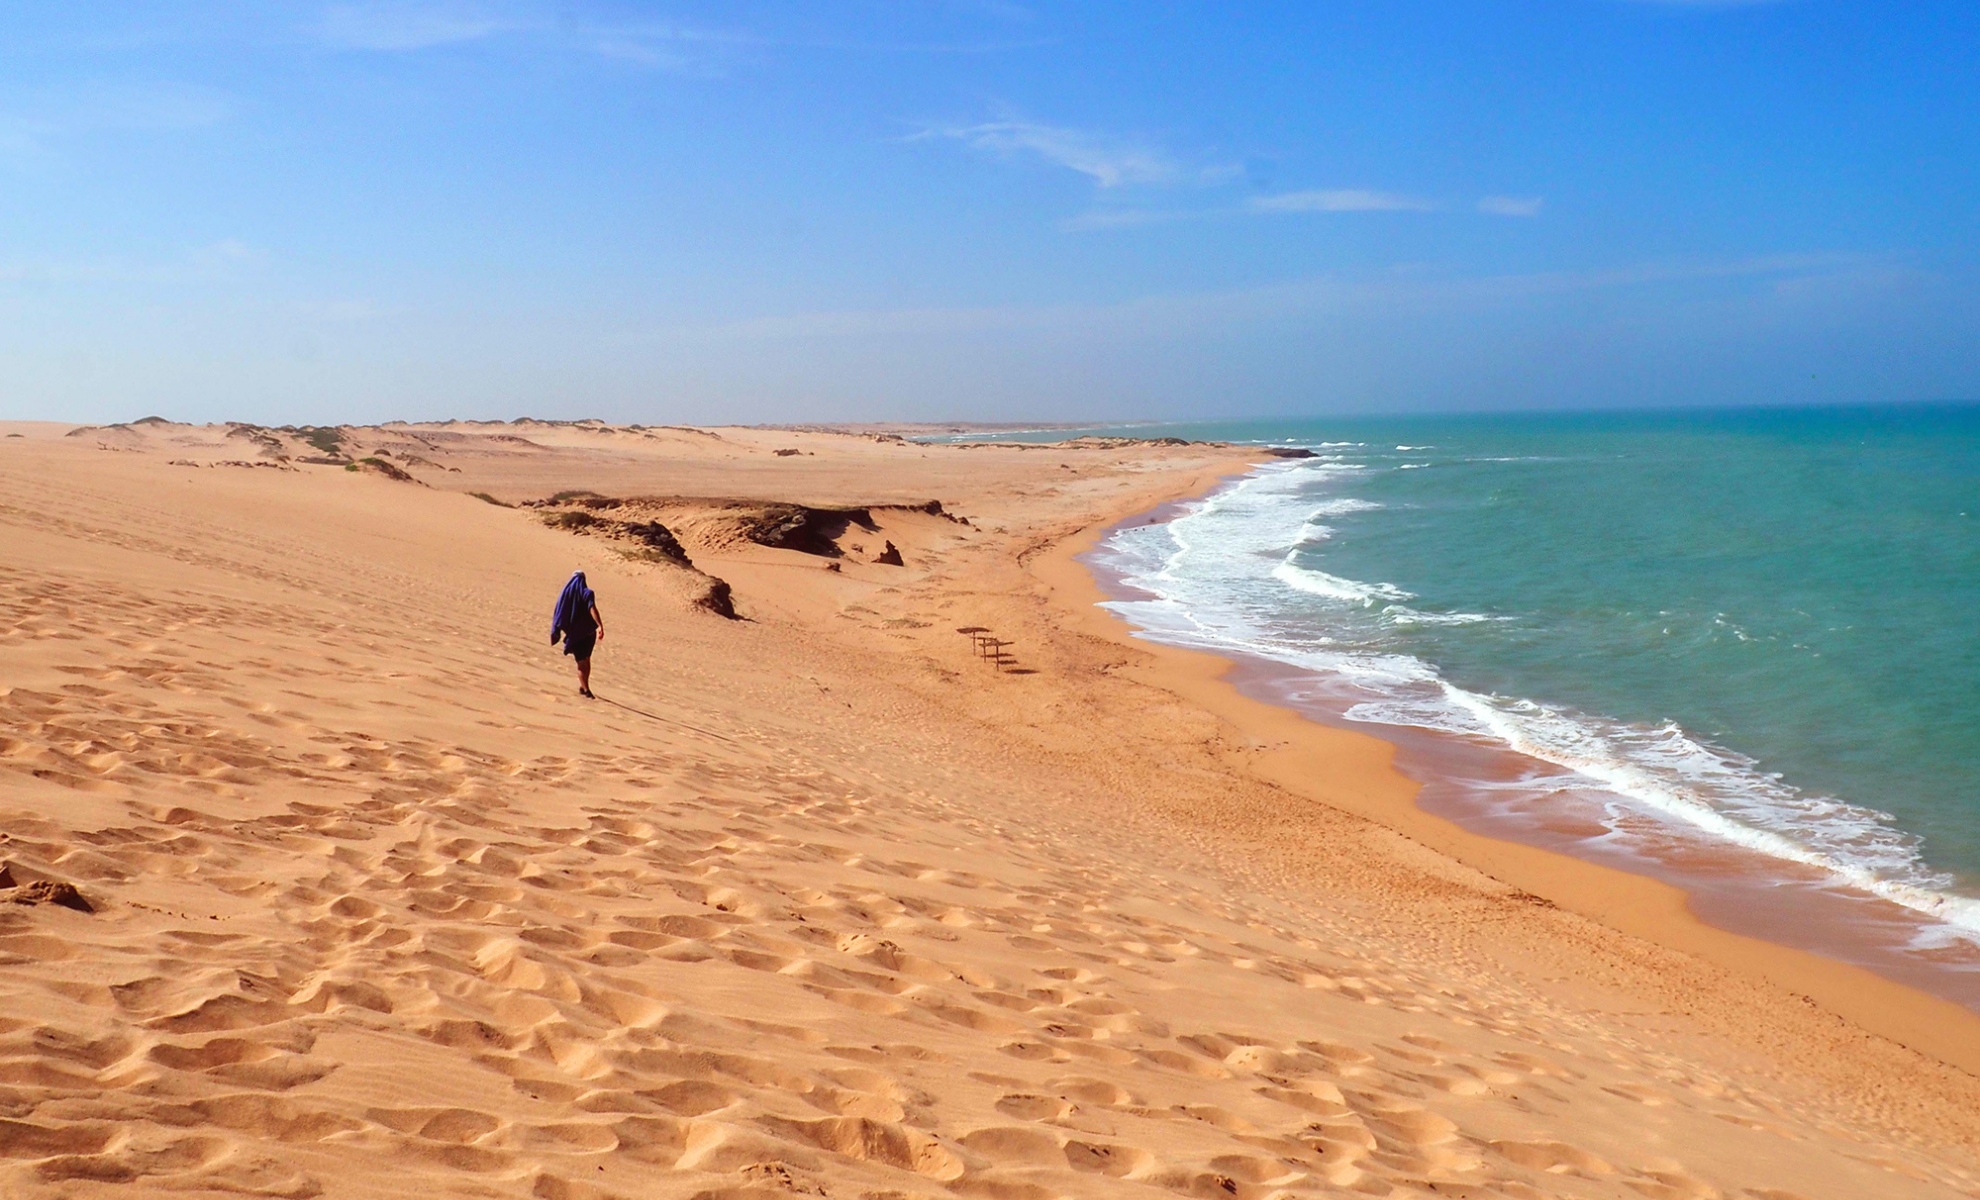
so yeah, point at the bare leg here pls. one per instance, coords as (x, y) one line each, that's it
(584, 677)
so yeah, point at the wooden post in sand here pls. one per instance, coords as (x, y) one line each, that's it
(994, 651)
(987, 645)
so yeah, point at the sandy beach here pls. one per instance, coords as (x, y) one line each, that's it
(321, 879)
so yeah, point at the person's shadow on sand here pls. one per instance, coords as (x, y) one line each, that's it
(640, 712)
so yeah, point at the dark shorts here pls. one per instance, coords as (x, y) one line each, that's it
(578, 645)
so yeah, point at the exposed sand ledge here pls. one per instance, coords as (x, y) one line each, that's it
(1354, 771)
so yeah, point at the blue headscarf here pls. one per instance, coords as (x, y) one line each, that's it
(572, 606)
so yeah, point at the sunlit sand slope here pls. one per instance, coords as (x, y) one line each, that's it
(382, 908)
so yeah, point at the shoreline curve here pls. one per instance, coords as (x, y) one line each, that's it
(1354, 771)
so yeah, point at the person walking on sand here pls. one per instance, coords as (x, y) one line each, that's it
(576, 620)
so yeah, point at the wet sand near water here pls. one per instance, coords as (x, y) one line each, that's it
(1500, 793)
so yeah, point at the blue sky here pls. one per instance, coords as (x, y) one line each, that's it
(983, 209)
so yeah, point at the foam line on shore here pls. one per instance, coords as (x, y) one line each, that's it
(1307, 759)
(1695, 788)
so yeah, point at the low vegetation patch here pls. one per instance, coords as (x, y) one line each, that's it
(326, 440)
(388, 470)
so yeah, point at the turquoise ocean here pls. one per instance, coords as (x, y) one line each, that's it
(1748, 638)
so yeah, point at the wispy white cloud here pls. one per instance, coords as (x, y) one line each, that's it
(1397, 291)
(1510, 206)
(1339, 200)
(1326, 200)
(31, 130)
(646, 51)
(670, 47)
(994, 8)
(1108, 163)
(1707, 3)
(230, 250)
(343, 312)
(396, 26)
(1135, 218)
(400, 27)
(228, 258)
(175, 106)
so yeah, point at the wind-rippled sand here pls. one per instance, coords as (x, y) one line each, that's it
(812, 903)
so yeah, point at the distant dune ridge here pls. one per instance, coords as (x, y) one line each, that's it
(321, 880)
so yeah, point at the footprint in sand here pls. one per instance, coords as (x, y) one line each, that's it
(1553, 1157)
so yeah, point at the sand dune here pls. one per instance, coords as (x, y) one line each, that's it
(811, 902)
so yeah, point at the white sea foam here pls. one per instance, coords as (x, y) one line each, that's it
(1399, 614)
(1209, 568)
(1316, 530)
(1319, 583)
(1341, 507)
(1711, 790)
